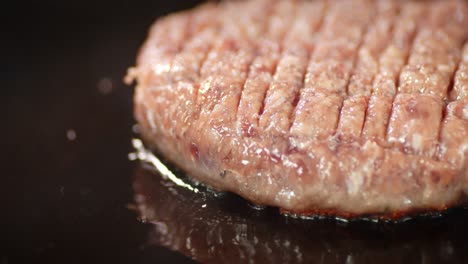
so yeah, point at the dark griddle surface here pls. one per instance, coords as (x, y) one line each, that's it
(65, 201)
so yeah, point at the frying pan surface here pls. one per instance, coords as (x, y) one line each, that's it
(71, 195)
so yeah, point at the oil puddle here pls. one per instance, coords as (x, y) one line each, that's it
(213, 227)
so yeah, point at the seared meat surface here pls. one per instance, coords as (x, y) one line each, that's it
(342, 107)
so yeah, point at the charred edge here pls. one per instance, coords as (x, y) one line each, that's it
(414, 35)
(392, 31)
(318, 29)
(250, 68)
(390, 217)
(280, 57)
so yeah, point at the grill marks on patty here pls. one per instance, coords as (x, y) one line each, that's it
(317, 111)
(284, 90)
(353, 112)
(290, 73)
(391, 62)
(460, 86)
(277, 63)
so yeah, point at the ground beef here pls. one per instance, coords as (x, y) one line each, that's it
(341, 107)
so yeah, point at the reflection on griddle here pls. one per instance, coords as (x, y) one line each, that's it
(222, 228)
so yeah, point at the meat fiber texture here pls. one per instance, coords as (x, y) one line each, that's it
(329, 107)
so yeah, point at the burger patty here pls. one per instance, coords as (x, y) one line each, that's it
(330, 107)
